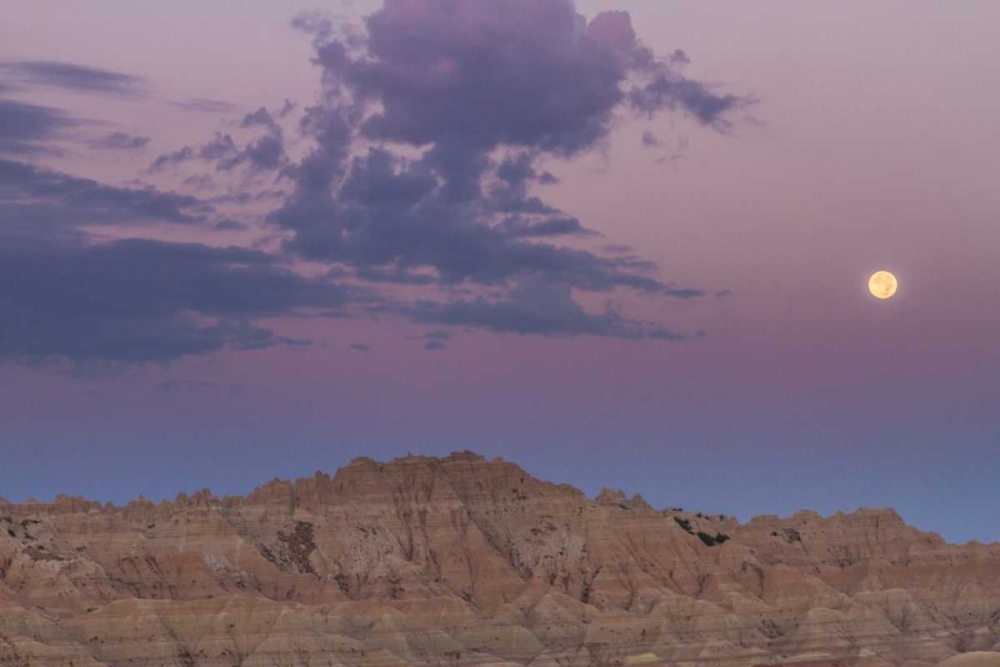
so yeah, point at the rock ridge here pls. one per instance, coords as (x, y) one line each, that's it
(461, 560)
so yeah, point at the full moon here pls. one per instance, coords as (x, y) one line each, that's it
(882, 284)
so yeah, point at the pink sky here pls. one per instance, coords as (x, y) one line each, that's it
(871, 146)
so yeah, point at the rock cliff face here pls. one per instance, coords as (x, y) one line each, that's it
(464, 561)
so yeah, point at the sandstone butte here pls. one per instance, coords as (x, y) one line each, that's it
(463, 561)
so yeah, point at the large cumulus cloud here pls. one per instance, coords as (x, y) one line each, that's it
(463, 82)
(424, 173)
(433, 121)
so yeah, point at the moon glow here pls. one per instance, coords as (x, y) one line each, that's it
(882, 284)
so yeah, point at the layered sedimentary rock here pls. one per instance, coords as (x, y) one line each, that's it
(464, 561)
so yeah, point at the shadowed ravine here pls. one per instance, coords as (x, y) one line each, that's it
(462, 561)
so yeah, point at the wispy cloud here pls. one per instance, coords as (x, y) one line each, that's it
(73, 77)
(204, 105)
(120, 141)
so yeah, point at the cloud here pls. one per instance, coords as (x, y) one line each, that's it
(137, 300)
(76, 78)
(173, 158)
(205, 106)
(650, 140)
(359, 347)
(475, 117)
(433, 340)
(287, 107)
(40, 202)
(447, 70)
(425, 173)
(23, 127)
(229, 225)
(555, 92)
(146, 301)
(677, 151)
(120, 141)
(260, 117)
(199, 182)
(262, 154)
(520, 227)
(679, 58)
(220, 149)
(391, 214)
(538, 308)
(669, 91)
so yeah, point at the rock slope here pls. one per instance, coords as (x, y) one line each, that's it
(463, 561)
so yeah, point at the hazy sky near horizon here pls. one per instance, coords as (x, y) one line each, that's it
(621, 244)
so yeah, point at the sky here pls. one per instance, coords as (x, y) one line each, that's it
(620, 244)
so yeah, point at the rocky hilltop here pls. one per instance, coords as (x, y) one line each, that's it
(463, 561)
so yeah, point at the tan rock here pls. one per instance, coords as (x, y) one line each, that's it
(463, 561)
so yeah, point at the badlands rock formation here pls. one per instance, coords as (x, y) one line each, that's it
(464, 561)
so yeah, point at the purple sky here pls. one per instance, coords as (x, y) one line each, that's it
(634, 259)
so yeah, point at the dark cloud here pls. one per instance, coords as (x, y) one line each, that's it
(120, 141)
(436, 235)
(480, 115)
(514, 175)
(247, 196)
(264, 153)
(229, 225)
(36, 202)
(359, 347)
(538, 308)
(287, 107)
(173, 158)
(678, 150)
(374, 180)
(220, 149)
(393, 275)
(313, 22)
(438, 334)
(391, 214)
(428, 147)
(145, 301)
(445, 70)
(650, 140)
(552, 227)
(434, 340)
(205, 106)
(684, 292)
(78, 78)
(23, 126)
(669, 91)
(64, 297)
(199, 182)
(261, 117)
(679, 58)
